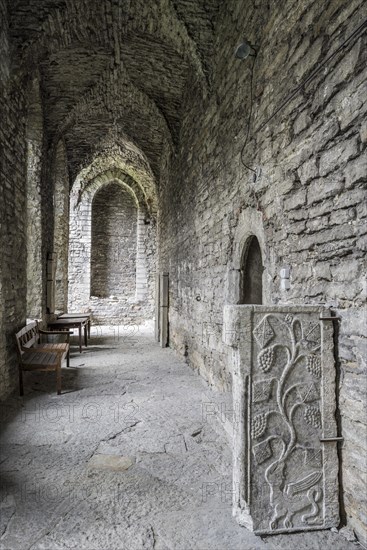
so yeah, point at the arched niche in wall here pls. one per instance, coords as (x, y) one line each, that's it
(250, 256)
(114, 242)
(251, 272)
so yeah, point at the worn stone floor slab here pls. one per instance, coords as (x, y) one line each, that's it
(125, 458)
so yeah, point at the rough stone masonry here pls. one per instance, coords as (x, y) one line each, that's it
(215, 149)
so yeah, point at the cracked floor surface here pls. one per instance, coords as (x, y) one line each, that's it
(123, 459)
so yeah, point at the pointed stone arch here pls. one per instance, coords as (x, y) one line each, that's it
(122, 308)
(126, 163)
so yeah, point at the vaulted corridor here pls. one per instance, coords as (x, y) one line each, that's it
(198, 167)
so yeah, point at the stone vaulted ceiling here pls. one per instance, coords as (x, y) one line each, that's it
(114, 64)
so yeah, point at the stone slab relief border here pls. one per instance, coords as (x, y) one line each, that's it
(285, 478)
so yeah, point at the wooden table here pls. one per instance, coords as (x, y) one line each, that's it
(78, 322)
(77, 316)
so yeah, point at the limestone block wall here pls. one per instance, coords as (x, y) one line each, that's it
(61, 230)
(13, 276)
(4, 43)
(307, 206)
(114, 242)
(34, 229)
(39, 201)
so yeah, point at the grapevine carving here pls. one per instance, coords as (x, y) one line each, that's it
(298, 349)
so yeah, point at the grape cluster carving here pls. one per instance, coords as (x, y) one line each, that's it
(313, 417)
(265, 359)
(258, 425)
(314, 365)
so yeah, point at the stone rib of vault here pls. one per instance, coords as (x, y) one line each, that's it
(285, 477)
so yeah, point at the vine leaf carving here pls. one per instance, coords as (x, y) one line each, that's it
(263, 332)
(262, 451)
(262, 390)
(311, 335)
(307, 392)
(313, 457)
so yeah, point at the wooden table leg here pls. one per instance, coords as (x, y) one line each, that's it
(86, 335)
(89, 328)
(80, 337)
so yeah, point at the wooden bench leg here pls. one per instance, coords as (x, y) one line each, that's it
(21, 392)
(58, 379)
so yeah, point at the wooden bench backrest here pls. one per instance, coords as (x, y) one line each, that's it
(27, 337)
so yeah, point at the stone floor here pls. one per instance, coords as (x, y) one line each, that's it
(125, 458)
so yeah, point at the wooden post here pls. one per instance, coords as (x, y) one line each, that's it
(50, 290)
(157, 309)
(163, 299)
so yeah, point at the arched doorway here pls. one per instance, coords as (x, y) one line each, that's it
(112, 250)
(251, 288)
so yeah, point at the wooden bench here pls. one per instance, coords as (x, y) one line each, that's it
(35, 355)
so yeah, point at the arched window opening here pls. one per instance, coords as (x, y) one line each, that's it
(113, 254)
(251, 273)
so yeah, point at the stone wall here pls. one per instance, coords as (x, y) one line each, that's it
(36, 194)
(61, 231)
(114, 230)
(307, 205)
(4, 74)
(4, 43)
(34, 230)
(13, 278)
(22, 287)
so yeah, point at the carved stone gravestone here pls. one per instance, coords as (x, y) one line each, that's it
(285, 456)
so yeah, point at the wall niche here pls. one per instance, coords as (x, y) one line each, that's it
(251, 288)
